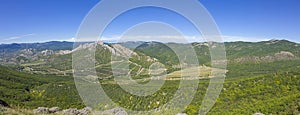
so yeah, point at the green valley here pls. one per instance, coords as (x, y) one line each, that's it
(261, 77)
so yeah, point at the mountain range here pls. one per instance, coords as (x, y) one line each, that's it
(40, 74)
(55, 57)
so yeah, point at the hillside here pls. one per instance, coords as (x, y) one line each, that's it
(27, 52)
(263, 51)
(31, 90)
(261, 77)
(59, 62)
(244, 93)
(237, 52)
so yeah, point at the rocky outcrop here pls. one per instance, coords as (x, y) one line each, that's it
(29, 55)
(47, 52)
(63, 52)
(74, 111)
(41, 110)
(116, 111)
(115, 49)
(122, 51)
(71, 111)
(54, 109)
(283, 55)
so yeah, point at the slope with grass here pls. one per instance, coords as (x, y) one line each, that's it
(261, 77)
(25, 90)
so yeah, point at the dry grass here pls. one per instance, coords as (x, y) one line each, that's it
(9, 111)
(193, 73)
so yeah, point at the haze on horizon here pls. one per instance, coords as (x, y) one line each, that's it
(252, 20)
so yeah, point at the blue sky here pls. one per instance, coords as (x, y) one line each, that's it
(247, 20)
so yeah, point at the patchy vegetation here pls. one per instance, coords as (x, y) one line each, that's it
(253, 85)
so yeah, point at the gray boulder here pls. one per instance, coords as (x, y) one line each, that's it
(74, 111)
(258, 114)
(71, 111)
(116, 111)
(181, 114)
(85, 111)
(54, 109)
(41, 110)
(121, 113)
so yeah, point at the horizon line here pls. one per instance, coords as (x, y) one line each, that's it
(116, 42)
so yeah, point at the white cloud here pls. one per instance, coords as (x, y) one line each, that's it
(242, 38)
(70, 39)
(167, 38)
(18, 37)
(162, 38)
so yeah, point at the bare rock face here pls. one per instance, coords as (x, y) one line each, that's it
(181, 114)
(28, 52)
(54, 109)
(41, 110)
(47, 52)
(122, 51)
(63, 52)
(116, 111)
(85, 111)
(71, 111)
(87, 46)
(74, 111)
(283, 55)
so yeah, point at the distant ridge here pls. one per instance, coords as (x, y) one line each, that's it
(238, 51)
(125, 42)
